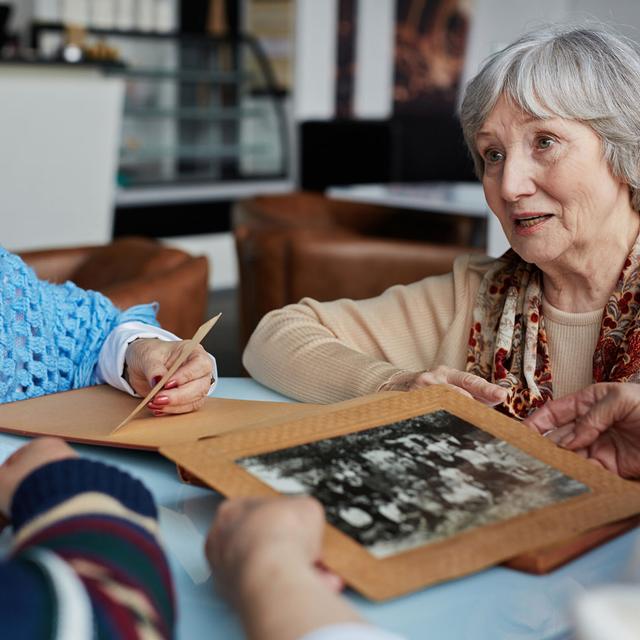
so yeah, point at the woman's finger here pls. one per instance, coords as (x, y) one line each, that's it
(162, 405)
(471, 385)
(557, 413)
(591, 425)
(479, 388)
(184, 393)
(543, 420)
(149, 367)
(460, 390)
(197, 365)
(331, 580)
(605, 452)
(558, 435)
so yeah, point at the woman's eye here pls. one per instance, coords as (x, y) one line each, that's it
(492, 156)
(545, 142)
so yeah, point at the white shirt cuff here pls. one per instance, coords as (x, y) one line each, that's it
(111, 359)
(350, 631)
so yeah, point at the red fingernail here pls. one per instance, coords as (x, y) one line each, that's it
(172, 384)
(155, 381)
(158, 413)
(161, 400)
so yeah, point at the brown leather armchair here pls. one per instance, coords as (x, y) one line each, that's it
(132, 271)
(304, 244)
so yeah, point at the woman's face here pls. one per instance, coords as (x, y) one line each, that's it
(548, 184)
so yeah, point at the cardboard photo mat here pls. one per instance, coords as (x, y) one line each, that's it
(609, 498)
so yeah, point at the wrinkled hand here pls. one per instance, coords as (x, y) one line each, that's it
(27, 459)
(148, 359)
(601, 422)
(252, 536)
(465, 383)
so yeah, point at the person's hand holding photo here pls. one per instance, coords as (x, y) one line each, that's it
(266, 552)
(602, 422)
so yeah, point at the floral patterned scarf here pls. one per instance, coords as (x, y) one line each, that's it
(508, 342)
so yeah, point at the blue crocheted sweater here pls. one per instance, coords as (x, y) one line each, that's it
(51, 334)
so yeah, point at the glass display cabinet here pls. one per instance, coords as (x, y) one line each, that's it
(199, 111)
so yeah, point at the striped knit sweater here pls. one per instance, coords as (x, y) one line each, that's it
(86, 562)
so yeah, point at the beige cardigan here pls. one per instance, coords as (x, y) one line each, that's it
(332, 351)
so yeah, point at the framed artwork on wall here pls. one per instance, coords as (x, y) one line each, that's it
(430, 46)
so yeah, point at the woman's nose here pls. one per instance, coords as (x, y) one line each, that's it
(517, 178)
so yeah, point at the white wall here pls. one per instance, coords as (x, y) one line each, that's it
(494, 23)
(315, 47)
(624, 15)
(315, 61)
(373, 86)
(59, 131)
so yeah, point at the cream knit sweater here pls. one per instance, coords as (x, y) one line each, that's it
(331, 351)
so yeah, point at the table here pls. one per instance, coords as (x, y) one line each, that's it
(455, 198)
(493, 604)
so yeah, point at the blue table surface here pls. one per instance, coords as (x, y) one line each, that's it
(493, 604)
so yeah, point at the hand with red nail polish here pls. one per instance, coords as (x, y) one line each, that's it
(601, 421)
(148, 360)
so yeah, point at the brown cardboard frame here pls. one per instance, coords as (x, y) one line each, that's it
(611, 498)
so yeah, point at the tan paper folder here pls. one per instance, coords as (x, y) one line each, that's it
(90, 415)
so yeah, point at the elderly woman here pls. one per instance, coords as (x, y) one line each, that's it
(60, 337)
(553, 125)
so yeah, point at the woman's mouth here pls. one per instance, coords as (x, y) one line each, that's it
(526, 224)
(529, 222)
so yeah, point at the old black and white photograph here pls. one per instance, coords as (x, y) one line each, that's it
(403, 485)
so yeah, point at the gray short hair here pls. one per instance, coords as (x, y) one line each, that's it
(590, 75)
